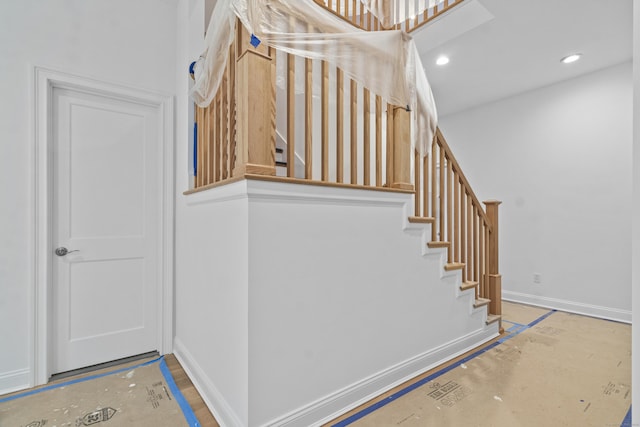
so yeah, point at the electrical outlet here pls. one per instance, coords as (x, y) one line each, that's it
(537, 277)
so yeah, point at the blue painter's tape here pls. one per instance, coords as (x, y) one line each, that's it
(254, 41)
(627, 420)
(540, 319)
(191, 67)
(186, 409)
(79, 380)
(512, 323)
(366, 411)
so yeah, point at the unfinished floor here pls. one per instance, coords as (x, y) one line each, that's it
(550, 368)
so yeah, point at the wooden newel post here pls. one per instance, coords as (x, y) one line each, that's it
(402, 153)
(255, 95)
(493, 272)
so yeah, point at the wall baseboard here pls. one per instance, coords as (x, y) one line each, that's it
(14, 381)
(212, 397)
(354, 395)
(607, 313)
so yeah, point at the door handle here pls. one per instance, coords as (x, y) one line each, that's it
(62, 251)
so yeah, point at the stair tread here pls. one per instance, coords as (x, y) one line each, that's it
(492, 318)
(468, 285)
(421, 220)
(479, 302)
(454, 266)
(435, 244)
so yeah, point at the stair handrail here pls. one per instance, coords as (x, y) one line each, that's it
(456, 166)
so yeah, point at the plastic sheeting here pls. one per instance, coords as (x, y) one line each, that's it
(385, 62)
(209, 68)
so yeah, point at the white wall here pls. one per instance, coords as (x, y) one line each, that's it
(635, 259)
(210, 259)
(560, 160)
(121, 41)
(212, 299)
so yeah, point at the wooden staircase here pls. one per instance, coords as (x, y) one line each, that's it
(494, 312)
(237, 138)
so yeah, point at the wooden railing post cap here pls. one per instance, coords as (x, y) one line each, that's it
(492, 202)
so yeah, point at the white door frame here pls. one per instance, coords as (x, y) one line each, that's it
(44, 80)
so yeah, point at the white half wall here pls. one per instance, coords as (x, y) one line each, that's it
(294, 302)
(560, 160)
(126, 42)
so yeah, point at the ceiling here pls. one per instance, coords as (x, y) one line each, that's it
(499, 48)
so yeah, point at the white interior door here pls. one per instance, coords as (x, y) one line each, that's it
(106, 207)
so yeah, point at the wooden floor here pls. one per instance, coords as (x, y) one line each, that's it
(190, 393)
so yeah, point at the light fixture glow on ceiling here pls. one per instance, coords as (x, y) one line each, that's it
(571, 58)
(442, 60)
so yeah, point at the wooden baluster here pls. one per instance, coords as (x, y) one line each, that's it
(363, 23)
(366, 135)
(456, 218)
(223, 124)
(469, 263)
(199, 145)
(353, 98)
(449, 210)
(209, 175)
(389, 145)
(291, 119)
(255, 89)
(402, 149)
(353, 11)
(476, 241)
(425, 185)
(441, 170)
(416, 179)
(211, 144)
(339, 125)
(434, 193)
(207, 138)
(463, 234)
(232, 109)
(378, 141)
(218, 138)
(481, 261)
(495, 279)
(308, 119)
(325, 120)
(486, 259)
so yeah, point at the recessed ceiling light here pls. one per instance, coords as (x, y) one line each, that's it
(571, 58)
(442, 60)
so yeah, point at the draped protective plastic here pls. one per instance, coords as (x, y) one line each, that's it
(385, 62)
